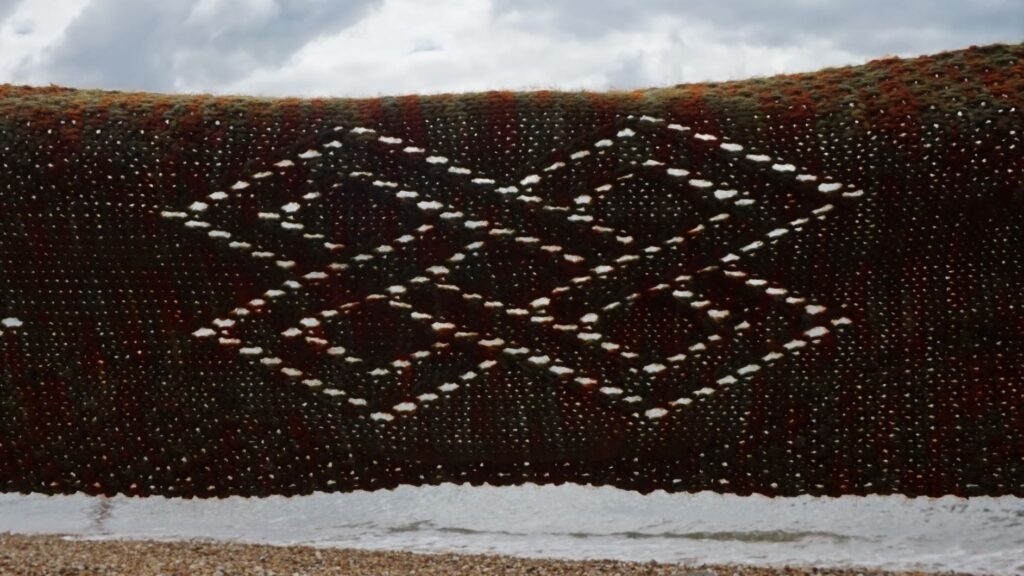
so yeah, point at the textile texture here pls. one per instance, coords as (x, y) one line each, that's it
(804, 284)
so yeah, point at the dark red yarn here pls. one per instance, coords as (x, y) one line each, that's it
(806, 284)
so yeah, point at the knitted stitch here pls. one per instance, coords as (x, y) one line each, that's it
(804, 284)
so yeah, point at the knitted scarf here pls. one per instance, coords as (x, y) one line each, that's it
(804, 284)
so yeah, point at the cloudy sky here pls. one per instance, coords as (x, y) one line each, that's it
(374, 47)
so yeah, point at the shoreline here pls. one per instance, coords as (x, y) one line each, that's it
(31, 555)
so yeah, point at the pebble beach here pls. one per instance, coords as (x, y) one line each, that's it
(50, 555)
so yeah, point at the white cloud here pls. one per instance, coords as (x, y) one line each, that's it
(127, 44)
(474, 48)
(27, 31)
(375, 47)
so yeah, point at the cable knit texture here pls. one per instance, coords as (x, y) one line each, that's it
(804, 284)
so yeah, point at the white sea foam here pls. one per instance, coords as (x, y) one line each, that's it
(976, 535)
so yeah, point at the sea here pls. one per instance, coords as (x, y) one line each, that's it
(978, 535)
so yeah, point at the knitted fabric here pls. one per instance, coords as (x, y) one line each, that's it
(805, 284)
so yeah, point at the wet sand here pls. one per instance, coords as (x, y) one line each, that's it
(56, 555)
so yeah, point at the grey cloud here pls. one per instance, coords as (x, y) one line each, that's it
(6, 7)
(127, 44)
(426, 46)
(872, 27)
(627, 73)
(245, 45)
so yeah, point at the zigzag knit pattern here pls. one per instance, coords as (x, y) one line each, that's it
(806, 284)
